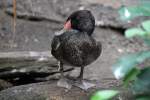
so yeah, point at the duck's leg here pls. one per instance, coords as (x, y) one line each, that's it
(83, 84)
(80, 77)
(63, 82)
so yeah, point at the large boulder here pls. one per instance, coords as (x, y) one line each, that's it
(43, 91)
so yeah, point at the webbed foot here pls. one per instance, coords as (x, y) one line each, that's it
(83, 84)
(64, 82)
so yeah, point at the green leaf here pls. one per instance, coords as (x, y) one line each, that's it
(127, 13)
(143, 97)
(142, 84)
(144, 2)
(144, 33)
(127, 63)
(131, 76)
(104, 95)
(134, 32)
(124, 65)
(147, 41)
(146, 26)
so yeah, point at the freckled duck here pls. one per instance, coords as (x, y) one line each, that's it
(75, 46)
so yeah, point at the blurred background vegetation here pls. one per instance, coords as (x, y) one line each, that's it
(134, 74)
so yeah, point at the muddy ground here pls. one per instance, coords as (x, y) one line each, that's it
(37, 20)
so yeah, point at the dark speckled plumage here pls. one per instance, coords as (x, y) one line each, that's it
(82, 21)
(76, 48)
(75, 45)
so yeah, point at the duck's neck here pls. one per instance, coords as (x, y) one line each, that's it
(60, 32)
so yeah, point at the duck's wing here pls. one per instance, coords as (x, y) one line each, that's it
(99, 48)
(56, 47)
(91, 50)
(81, 50)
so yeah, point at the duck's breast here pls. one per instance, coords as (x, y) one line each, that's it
(80, 49)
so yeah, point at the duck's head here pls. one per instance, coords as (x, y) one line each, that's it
(81, 20)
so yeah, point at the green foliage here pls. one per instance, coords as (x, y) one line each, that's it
(143, 97)
(131, 76)
(127, 67)
(142, 83)
(104, 95)
(143, 32)
(128, 63)
(146, 26)
(135, 32)
(128, 13)
(126, 70)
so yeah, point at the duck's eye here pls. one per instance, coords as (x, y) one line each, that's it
(75, 22)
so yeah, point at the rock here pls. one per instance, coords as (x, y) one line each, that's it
(5, 3)
(57, 11)
(105, 16)
(43, 91)
(29, 36)
(28, 66)
(50, 91)
(51, 10)
(4, 84)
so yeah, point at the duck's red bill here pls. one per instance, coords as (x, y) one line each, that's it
(67, 25)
